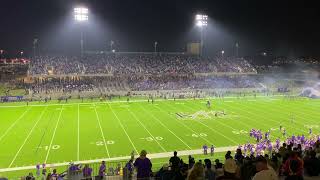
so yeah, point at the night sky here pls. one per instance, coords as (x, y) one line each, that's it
(289, 28)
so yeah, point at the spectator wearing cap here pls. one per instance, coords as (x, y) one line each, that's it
(230, 168)
(196, 172)
(263, 171)
(143, 165)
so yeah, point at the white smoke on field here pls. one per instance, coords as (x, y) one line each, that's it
(301, 76)
(311, 92)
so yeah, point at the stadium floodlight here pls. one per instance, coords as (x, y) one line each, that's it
(201, 20)
(81, 14)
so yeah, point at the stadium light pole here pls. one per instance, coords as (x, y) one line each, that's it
(155, 46)
(202, 23)
(35, 42)
(237, 49)
(1, 53)
(81, 15)
(111, 45)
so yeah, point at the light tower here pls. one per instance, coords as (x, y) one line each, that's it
(201, 22)
(81, 15)
(155, 46)
(222, 53)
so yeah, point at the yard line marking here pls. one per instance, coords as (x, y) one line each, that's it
(186, 126)
(151, 156)
(237, 122)
(78, 148)
(270, 120)
(303, 115)
(218, 132)
(26, 139)
(244, 124)
(165, 127)
(134, 147)
(53, 135)
(296, 112)
(247, 117)
(104, 139)
(223, 124)
(135, 117)
(14, 123)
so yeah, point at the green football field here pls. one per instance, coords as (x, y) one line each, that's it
(89, 131)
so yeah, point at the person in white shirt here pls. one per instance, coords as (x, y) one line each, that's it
(264, 172)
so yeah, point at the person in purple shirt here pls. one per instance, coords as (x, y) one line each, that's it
(278, 144)
(38, 170)
(143, 165)
(102, 169)
(302, 138)
(54, 175)
(87, 171)
(205, 149)
(266, 136)
(269, 149)
(298, 138)
(74, 167)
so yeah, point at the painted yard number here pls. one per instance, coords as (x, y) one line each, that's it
(240, 132)
(199, 135)
(53, 147)
(101, 143)
(157, 138)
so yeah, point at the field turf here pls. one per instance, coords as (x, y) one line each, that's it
(76, 131)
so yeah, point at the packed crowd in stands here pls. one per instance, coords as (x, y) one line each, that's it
(296, 159)
(134, 72)
(293, 65)
(176, 83)
(170, 82)
(136, 63)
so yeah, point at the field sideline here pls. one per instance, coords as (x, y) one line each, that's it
(90, 131)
